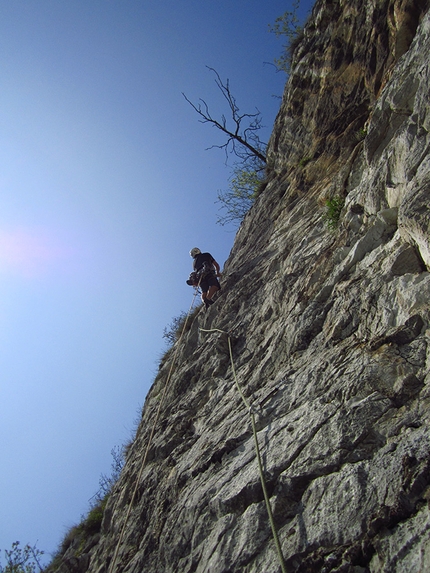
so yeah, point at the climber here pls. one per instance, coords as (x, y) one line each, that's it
(206, 271)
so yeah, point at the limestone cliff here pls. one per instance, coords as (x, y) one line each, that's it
(330, 339)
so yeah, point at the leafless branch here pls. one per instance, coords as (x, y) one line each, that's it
(242, 137)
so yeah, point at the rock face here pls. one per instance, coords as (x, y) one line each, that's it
(329, 334)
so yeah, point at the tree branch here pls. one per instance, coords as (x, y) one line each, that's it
(242, 142)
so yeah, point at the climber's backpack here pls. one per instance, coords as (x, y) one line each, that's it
(193, 279)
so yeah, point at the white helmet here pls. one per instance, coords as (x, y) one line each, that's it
(194, 252)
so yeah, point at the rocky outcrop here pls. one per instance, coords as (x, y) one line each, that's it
(329, 339)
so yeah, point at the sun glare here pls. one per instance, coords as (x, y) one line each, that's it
(30, 253)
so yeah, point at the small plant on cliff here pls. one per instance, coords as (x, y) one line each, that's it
(360, 134)
(290, 26)
(304, 161)
(107, 481)
(333, 208)
(245, 186)
(77, 536)
(93, 521)
(173, 331)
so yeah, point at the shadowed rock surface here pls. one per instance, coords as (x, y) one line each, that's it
(330, 338)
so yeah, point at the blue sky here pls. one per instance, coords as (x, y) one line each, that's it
(105, 186)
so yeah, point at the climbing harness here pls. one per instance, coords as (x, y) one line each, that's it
(112, 565)
(251, 412)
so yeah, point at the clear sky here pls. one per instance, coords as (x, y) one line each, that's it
(105, 185)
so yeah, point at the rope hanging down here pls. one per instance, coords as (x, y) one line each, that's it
(257, 450)
(112, 565)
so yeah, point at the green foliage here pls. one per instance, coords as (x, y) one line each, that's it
(304, 161)
(106, 482)
(173, 331)
(361, 134)
(93, 521)
(288, 25)
(25, 560)
(77, 536)
(333, 208)
(245, 186)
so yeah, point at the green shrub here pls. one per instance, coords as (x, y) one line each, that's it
(107, 481)
(288, 25)
(333, 208)
(173, 331)
(246, 184)
(304, 161)
(77, 536)
(93, 521)
(360, 134)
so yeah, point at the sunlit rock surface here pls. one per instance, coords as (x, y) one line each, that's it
(329, 332)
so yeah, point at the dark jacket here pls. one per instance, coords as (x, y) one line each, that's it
(199, 260)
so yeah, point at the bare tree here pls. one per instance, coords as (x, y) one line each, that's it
(242, 133)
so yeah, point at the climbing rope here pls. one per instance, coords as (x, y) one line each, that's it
(249, 407)
(112, 565)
